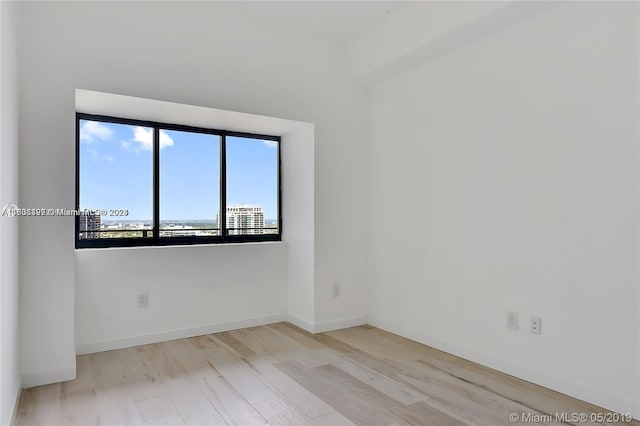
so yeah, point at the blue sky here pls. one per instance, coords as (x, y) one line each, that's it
(116, 172)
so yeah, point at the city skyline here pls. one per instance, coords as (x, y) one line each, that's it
(241, 220)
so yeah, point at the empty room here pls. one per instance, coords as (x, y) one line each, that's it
(319, 213)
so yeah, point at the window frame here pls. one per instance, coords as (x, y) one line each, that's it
(155, 239)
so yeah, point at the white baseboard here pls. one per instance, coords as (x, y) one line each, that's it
(322, 327)
(16, 402)
(46, 377)
(565, 386)
(299, 322)
(127, 342)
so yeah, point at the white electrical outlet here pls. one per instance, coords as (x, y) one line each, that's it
(143, 300)
(512, 320)
(335, 291)
(535, 325)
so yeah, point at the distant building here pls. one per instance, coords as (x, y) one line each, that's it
(89, 225)
(172, 230)
(245, 220)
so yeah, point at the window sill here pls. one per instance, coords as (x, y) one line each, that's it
(178, 246)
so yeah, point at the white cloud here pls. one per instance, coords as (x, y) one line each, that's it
(144, 137)
(165, 139)
(90, 131)
(126, 145)
(271, 144)
(110, 159)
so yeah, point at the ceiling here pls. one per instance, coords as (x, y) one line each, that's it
(336, 20)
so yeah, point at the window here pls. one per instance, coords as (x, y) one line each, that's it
(141, 183)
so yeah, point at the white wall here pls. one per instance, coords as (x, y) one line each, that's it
(9, 368)
(192, 289)
(507, 172)
(194, 54)
(298, 213)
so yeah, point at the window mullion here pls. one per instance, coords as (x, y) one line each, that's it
(223, 187)
(156, 183)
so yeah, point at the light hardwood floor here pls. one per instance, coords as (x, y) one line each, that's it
(280, 374)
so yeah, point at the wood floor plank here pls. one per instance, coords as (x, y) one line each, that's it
(231, 405)
(276, 343)
(245, 337)
(304, 401)
(384, 367)
(135, 367)
(358, 401)
(277, 412)
(106, 368)
(26, 408)
(79, 408)
(412, 356)
(455, 397)
(282, 375)
(117, 405)
(358, 409)
(192, 403)
(204, 342)
(338, 358)
(390, 387)
(474, 404)
(40, 406)
(241, 376)
(536, 397)
(159, 410)
(331, 419)
(283, 339)
(157, 358)
(299, 335)
(358, 355)
(188, 359)
(278, 346)
(234, 344)
(480, 405)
